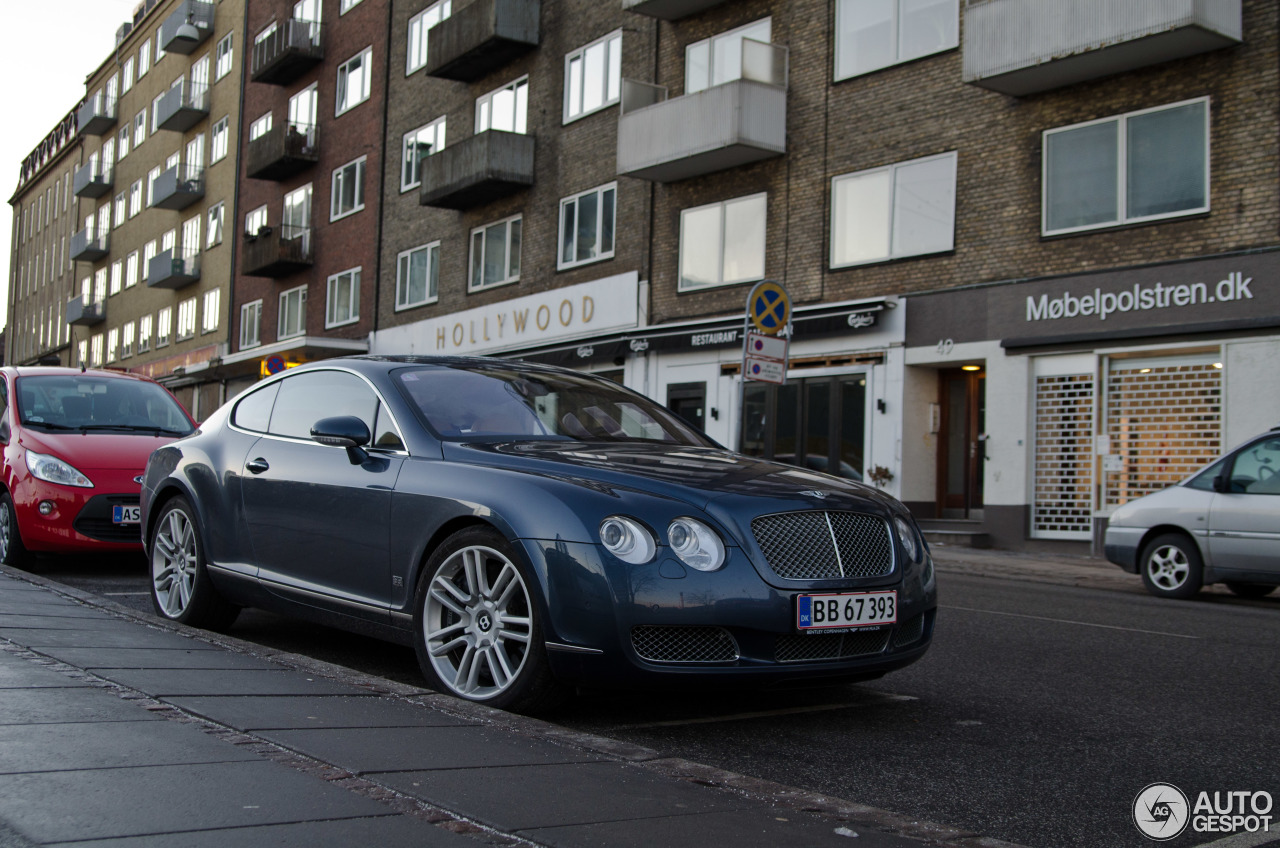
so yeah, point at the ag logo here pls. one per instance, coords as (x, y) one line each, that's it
(1161, 811)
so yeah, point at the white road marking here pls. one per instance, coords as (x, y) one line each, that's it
(1069, 621)
(885, 696)
(125, 594)
(1243, 840)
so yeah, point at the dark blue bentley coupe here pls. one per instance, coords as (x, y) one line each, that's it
(529, 528)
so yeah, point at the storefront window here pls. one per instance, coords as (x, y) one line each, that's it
(817, 423)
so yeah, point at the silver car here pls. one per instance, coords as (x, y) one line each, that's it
(1221, 525)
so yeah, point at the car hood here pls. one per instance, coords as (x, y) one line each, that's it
(711, 479)
(96, 451)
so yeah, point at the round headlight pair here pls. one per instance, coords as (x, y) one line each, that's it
(911, 543)
(694, 542)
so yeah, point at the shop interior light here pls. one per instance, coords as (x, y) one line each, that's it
(970, 367)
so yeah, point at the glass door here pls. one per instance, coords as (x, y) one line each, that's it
(819, 423)
(962, 443)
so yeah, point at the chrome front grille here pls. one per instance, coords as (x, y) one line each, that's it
(815, 647)
(670, 644)
(817, 545)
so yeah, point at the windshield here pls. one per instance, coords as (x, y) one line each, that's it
(482, 400)
(85, 402)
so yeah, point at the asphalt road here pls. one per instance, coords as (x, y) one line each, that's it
(1037, 717)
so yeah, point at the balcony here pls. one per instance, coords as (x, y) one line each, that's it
(85, 313)
(1021, 47)
(183, 106)
(668, 10)
(278, 254)
(485, 167)
(88, 246)
(178, 187)
(96, 116)
(176, 37)
(725, 126)
(281, 152)
(92, 180)
(482, 37)
(287, 53)
(173, 268)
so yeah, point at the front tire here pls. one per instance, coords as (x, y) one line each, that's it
(1171, 567)
(478, 625)
(1250, 590)
(181, 590)
(12, 551)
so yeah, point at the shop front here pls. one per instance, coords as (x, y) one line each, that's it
(1034, 409)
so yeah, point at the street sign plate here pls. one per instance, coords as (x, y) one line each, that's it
(769, 307)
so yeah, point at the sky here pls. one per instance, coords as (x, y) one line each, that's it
(47, 48)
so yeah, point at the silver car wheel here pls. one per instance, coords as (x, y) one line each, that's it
(173, 563)
(478, 623)
(1168, 567)
(5, 530)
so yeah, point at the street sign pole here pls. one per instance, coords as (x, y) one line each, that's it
(768, 308)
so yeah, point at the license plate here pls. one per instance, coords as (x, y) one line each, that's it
(848, 609)
(126, 514)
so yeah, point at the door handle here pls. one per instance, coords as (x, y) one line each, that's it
(257, 466)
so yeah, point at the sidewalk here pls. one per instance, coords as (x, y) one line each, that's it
(120, 728)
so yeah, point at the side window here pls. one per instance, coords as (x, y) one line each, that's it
(385, 434)
(253, 411)
(1204, 480)
(4, 416)
(306, 398)
(1256, 470)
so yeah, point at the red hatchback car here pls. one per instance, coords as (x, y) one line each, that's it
(75, 446)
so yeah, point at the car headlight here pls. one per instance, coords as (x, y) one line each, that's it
(907, 536)
(627, 539)
(696, 544)
(53, 470)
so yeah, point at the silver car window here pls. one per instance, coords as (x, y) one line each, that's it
(310, 396)
(1256, 469)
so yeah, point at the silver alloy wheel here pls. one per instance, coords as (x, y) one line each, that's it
(478, 623)
(173, 563)
(6, 530)
(1168, 567)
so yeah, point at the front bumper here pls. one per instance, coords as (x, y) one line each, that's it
(1120, 546)
(81, 519)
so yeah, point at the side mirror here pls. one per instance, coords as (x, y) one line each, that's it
(343, 431)
(1222, 483)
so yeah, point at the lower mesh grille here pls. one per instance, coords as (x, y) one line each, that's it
(813, 647)
(909, 633)
(660, 643)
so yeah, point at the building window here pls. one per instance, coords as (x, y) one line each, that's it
(95, 351)
(342, 303)
(222, 58)
(144, 58)
(722, 243)
(593, 77)
(260, 127)
(1141, 166)
(419, 25)
(113, 344)
(126, 75)
(216, 213)
(293, 313)
(126, 341)
(122, 200)
(347, 196)
(123, 138)
(417, 276)
(418, 145)
(872, 34)
(495, 254)
(717, 60)
(255, 220)
(186, 319)
(140, 127)
(117, 276)
(251, 324)
(164, 326)
(353, 81)
(149, 251)
(586, 226)
(218, 141)
(144, 334)
(152, 176)
(211, 314)
(135, 198)
(131, 270)
(907, 209)
(504, 108)
(345, 6)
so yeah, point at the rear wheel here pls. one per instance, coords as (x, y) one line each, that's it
(1171, 567)
(1250, 590)
(12, 551)
(180, 586)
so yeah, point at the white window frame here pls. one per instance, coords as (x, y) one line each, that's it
(283, 332)
(260, 126)
(418, 31)
(365, 57)
(140, 127)
(357, 168)
(890, 211)
(144, 334)
(726, 37)
(131, 270)
(723, 205)
(255, 219)
(842, 7)
(216, 220)
(509, 277)
(352, 306)
(404, 261)
(575, 79)
(575, 200)
(224, 50)
(126, 75)
(164, 326)
(144, 58)
(126, 340)
(251, 317)
(186, 328)
(437, 129)
(345, 6)
(520, 117)
(219, 138)
(1122, 140)
(211, 311)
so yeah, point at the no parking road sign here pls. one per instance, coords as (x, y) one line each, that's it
(769, 308)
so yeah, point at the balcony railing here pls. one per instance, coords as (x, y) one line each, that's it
(178, 187)
(174, 268)
(175, 34)
(668, 10)
(92, 180)
(88, 245)
(1022, 47)
(183, 106)
(281, 152)
(482, 37)
(291, 50)
(85, 312)
(96, 116)
(278, 252)
(485, 167)
(725, 126)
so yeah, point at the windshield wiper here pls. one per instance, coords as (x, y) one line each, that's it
(51, 425)
(131, 428)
